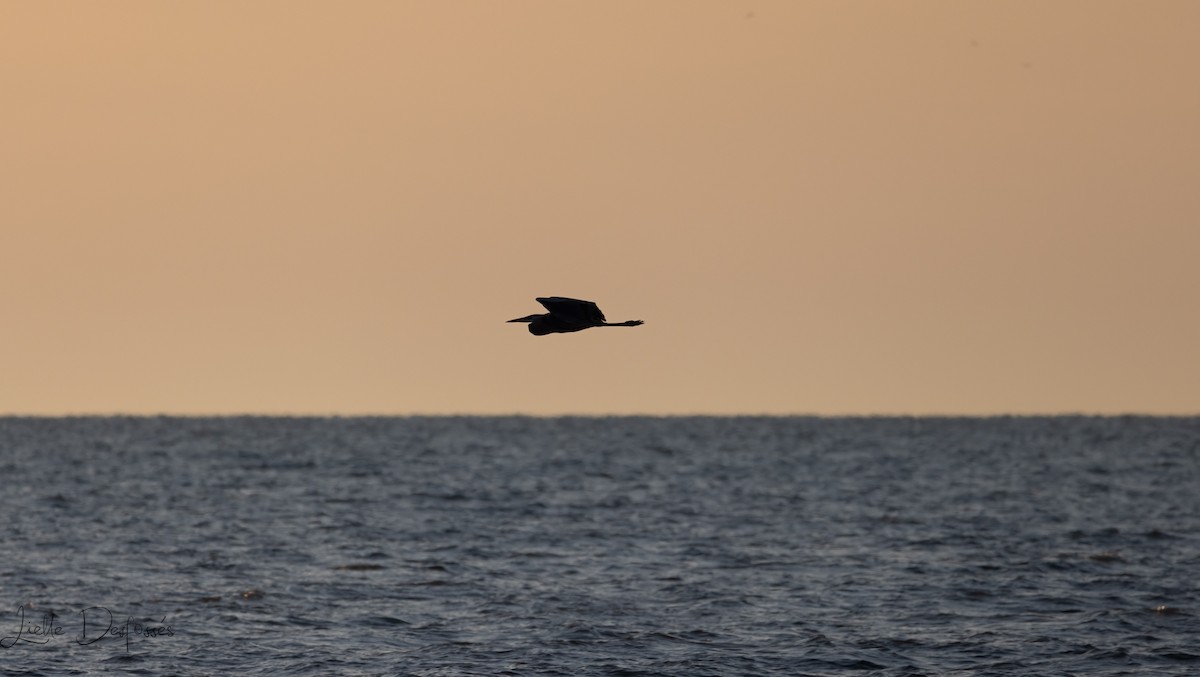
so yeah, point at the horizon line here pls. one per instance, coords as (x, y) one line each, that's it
(569, 414)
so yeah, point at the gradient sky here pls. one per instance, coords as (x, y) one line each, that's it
(817, 207)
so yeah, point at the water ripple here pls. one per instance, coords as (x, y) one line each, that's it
(602, 546)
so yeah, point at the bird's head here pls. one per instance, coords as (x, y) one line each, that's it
(527, 318)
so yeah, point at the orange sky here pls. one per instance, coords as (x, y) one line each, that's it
(817, 207)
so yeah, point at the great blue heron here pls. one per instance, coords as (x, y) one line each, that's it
(568, 315)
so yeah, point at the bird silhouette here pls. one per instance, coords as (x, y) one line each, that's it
(568, 315)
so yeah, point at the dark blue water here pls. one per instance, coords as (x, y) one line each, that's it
(600, 546)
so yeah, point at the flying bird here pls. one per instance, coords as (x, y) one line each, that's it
(568, 315)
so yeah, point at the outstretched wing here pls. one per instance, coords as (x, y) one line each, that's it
(573, 310)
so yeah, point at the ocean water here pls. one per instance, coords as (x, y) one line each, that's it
(600, 546)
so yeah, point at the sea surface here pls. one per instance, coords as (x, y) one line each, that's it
(600, 546)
